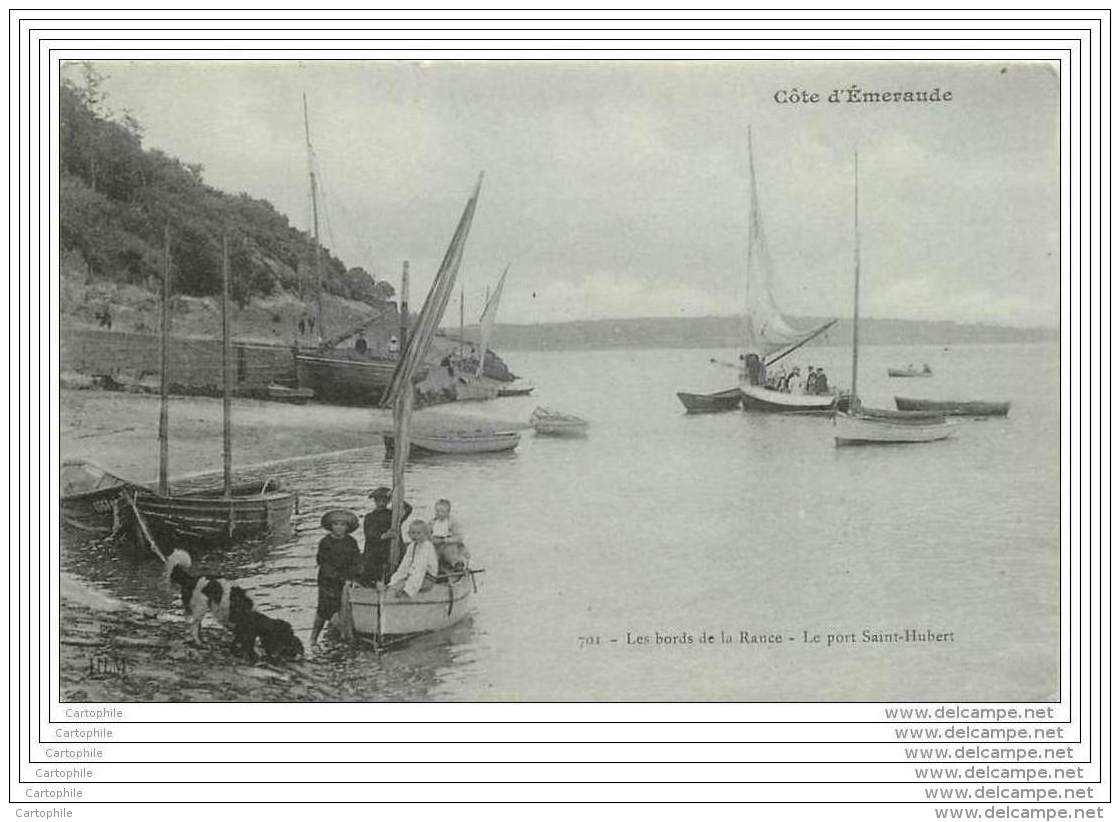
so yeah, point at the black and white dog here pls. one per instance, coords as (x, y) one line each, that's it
(231, 606)
(202, 595)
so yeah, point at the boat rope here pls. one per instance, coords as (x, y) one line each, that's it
(143, 523)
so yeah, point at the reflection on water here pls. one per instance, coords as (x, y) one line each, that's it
(661, 523)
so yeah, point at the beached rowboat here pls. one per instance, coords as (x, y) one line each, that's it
(465, 442)
(375, 612)
(88, 494)
(252, 510)
(710, 403)
(955, 408)
(556, 424)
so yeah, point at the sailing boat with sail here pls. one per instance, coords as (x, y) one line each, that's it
(375, 610)
(770, 337)
(475, 386)
(867, 426)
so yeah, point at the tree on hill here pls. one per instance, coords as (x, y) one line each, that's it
(116, 198)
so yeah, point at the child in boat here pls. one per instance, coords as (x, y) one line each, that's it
(447, 537)
(377, 527)
(339, 560)
(419, 565)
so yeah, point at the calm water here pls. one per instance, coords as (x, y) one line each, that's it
(660, 523)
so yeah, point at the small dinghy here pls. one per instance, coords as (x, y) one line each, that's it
(955, 408)
(556, 424)
(286, 393)
(727, 400)
(460, 442)
(910, 371)
(89, 496)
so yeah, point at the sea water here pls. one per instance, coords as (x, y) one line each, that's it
(734, 556)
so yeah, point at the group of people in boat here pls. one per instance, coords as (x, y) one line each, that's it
(435, 551)
(814, 381)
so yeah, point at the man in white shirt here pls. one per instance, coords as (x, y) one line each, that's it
(418, 563)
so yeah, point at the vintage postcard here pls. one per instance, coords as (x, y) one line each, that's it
(559, 381)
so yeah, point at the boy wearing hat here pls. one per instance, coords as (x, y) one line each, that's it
(378, 528)
(338, 560)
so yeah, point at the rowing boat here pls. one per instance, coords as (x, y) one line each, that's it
(462, 442)
(248, 511)
(377, 612)
(871, 427)
(710, 403)
(551, 423)
(910, 372)
(88, 496)
(955, 408)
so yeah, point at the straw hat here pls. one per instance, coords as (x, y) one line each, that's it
(340, 514)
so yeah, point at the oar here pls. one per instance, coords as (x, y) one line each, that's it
(723, 363)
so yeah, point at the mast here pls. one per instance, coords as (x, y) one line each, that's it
(460, 324)
(401, 389)
(854, 402)
(227, 387)
(403, 339)
(314, 221)
(750, 244)
(164, 340)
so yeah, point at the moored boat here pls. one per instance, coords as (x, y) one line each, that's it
(871, 427)
(955, 408)
(378, 612)
(710, 403)
(860, 426)
(463, 442)
(557, 424)
(89, 496)
(911, 371)
(248, 511)
(515, 391)
(770, 336)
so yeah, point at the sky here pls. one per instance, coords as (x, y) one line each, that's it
(621, 189)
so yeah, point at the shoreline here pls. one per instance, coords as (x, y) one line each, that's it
(119, 431)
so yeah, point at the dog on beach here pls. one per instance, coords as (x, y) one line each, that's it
(225, 602)
(278, 640)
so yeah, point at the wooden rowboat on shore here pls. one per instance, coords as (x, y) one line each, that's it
(727, 400)
(955, 408)
(249, 511)
(89, 496)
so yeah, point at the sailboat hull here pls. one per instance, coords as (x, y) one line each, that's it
(883, 430)
(252, 511)
(347, 378)
(768, 400)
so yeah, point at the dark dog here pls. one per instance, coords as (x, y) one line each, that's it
(202, 595)
(278, 640)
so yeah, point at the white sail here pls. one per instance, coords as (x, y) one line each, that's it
(767, 329)
(486, 321)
